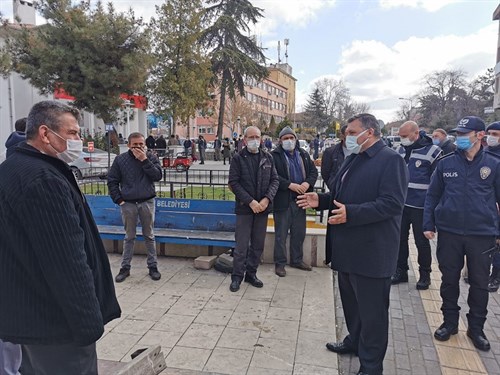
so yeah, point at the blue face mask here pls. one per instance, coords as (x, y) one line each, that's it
(435, 141)
(464, 142)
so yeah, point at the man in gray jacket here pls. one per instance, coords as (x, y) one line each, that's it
(131, 185)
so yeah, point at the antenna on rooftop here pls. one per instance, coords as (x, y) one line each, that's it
(286, 42)
(279, 52)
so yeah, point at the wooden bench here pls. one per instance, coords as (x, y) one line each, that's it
(179, 221)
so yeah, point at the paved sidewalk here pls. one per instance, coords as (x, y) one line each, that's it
(203, 328)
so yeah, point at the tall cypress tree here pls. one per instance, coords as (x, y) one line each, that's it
(234, 56)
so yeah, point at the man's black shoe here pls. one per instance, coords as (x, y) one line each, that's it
(494, 284)
(280, 270)
(479, 340)
(254, 281)
(400, 276)
(235, 285)
(154, 274)
(122, 275)
(340, 348)
(444, 332)
(425, 280)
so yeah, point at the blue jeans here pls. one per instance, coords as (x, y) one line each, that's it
(10, 358)
(145, 213)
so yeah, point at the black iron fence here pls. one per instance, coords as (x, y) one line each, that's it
(190, 184)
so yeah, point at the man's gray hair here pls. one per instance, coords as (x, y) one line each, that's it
(368, 121)
(48, 112)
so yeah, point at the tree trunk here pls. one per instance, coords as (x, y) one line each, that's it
(222, 106)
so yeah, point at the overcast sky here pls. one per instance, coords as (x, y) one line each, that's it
(381, 48)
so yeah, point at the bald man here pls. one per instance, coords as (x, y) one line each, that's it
(420, 155)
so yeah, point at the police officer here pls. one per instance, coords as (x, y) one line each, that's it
(421, 157)
(493, 142)
(462, 204)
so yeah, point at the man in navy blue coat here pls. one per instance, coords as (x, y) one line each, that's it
(365, 207)
(461, 204)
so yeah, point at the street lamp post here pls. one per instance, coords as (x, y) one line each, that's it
(410, 101)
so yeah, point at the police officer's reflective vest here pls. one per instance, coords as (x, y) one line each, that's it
(420, 169)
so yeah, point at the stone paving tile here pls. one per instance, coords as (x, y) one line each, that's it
(202, 336)
(214, 317)
(165, 339)
(280, 329)
(244, 339)
(283, 313)
(114, 346)
(134, 327)
(302, 369)
(311, 350)
(222, 302)
(274, 354)
(174, 323)
(229, 361)
(188, 358)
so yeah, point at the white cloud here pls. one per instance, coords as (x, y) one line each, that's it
(428, 5)
(297, 13)
(379, 74)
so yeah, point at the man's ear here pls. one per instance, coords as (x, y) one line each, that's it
(43, 132)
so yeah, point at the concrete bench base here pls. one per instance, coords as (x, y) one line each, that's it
(314, 248)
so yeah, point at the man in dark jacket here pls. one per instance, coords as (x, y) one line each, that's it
(254, 182)
(161, 146)
(421, 157)
(297, 175)
(493, 142)
(440, 138)
(462, 204)
(363, 237)
(55, 280)
(332, 159)
(17, 136)
(151, 142)
(131, 183)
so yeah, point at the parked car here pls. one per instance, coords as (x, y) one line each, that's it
(395, 140)
(92, 164)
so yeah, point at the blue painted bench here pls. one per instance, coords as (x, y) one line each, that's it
(179, 221)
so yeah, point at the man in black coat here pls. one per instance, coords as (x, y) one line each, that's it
(366, 205)
(440, 138)
(254, 182)
(297, 175)
(55, 279)
(332, 159)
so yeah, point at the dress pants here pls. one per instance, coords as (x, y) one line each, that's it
(451, 249)
(414, 217)
(292, 219)
(365, 302)
(59, 360)
(250, 235)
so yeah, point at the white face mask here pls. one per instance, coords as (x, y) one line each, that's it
(406, 142)
(253, 145)
(351, 143)
(289, 144)
(492, 141)
(73, 149)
